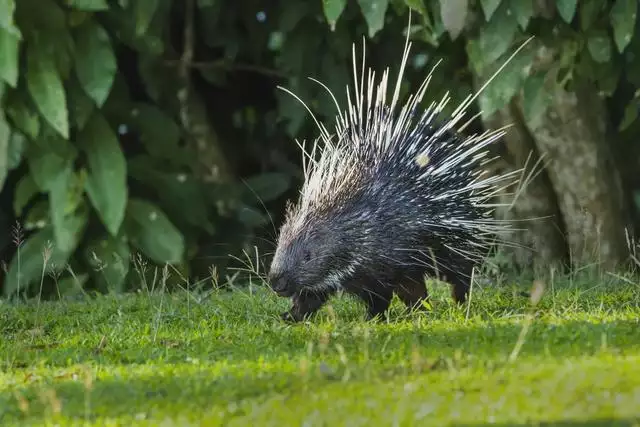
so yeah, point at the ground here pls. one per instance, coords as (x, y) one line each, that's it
(227, 359)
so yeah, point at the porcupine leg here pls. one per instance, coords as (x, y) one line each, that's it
(461, 283)
(305, 304)
(413, 294)
(377, 301)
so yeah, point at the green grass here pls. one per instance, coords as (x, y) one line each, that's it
(227, 360)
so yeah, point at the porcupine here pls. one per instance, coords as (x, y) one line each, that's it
(396, 196)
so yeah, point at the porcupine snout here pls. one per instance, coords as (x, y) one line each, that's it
(280, 283)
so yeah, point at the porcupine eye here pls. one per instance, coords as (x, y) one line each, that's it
(306, 255)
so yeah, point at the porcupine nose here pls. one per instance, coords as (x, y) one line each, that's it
(279, 283)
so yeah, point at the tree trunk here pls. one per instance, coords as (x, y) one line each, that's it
(536, 237)
(572, 136)
(575, 209)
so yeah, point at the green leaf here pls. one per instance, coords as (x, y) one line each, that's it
(72, 284)
(251, 217)
(46, 89)
(523, 10)
(566, 9)
(418, 6)
(599, 46)
(7, 9)
(24, 118)
(374, 12)
(175, 190)
(17, 146)
(607, 75)
(47, 155)
(45, 17)
(623, 21)
(288, 17)
(454, 14)
(267, 186)
(5, 135)
(95, 62)
(25, 191)
(9, 47)
(332, 11)
(59, 195)
(489, 7)
(28, 268)
(63, 47)
(158, 132)
(150, 231)
(630, 115)
(81, 107)
(51, 161)
(157, 78)
(38, 216)
(495, 37)
(143, 11)
(589, 12)
(535, 100)
(106, 184)
(109, 259)
(76, 17)
(631, 63)
(89, 5)
(502, 89)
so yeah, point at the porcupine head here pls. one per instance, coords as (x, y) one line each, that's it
(331, 238)
(322, 236)
(387, 186)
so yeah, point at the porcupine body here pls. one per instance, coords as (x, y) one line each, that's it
(394, 196)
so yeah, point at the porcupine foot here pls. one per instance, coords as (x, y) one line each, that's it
(304, 305)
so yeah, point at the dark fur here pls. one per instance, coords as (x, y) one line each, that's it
(403, 208)
(372, 221)
(377, 286)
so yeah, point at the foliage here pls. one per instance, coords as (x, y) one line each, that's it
(100, 169)
(102, 157)
(596, 41)
(226, 359)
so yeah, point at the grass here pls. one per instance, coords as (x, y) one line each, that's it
(160, 359)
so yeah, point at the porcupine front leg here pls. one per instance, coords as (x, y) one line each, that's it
(305, 304)
(377, 300)
(413, 295)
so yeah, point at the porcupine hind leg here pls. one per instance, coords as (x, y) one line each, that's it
(461, 282)
(305, 304)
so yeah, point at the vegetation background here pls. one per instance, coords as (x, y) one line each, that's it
(153, 130)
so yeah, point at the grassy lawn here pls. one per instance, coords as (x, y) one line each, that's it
(228, 360)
